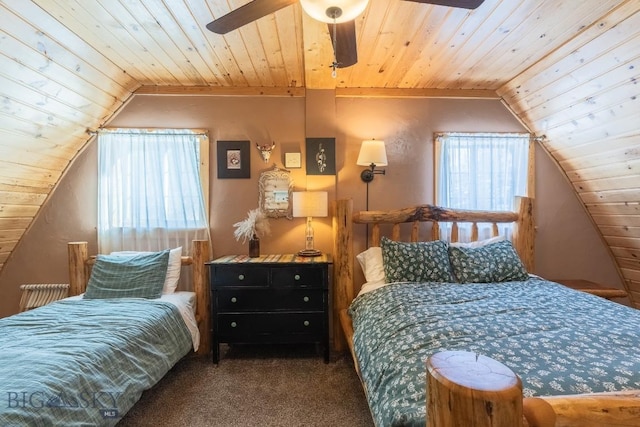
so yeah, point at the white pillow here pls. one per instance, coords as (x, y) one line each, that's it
(371, 263)
(478, 243)
(173, 268)
(173, 271)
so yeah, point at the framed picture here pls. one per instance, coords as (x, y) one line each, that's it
(321, 156)
(234, 160)
(292, 160)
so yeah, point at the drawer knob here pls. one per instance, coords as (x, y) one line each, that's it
(234, 299)
(234, 324)
(305, 323)
(297, 277)
(241, 277)
(305, 299)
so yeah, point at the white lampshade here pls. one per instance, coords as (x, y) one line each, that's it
(310, 204)
(317, 9)
(372, 152)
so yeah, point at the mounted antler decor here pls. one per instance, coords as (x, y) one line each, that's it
(265, 151)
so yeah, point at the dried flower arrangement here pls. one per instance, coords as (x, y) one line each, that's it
(255, 225)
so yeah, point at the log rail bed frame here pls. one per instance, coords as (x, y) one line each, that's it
(80, 263)
(505, 401)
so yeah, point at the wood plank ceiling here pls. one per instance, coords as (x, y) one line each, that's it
(567, 68)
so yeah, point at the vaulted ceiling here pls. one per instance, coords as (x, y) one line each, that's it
(567, 68)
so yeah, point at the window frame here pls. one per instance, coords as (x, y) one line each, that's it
(146, 234)
(530, 173)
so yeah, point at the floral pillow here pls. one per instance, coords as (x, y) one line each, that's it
(496, 262)
(415, 262)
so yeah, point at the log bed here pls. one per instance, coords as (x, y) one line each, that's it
(593, 409)
(80, 263)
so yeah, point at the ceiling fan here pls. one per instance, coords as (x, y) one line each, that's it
(338, 14)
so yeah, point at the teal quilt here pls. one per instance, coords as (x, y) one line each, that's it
(559, 341)
(85, 362)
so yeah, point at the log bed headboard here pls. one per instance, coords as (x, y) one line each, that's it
(80, 267)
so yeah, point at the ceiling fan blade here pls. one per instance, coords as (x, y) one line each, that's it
(247, 13)
(346, 50)
(464, 4)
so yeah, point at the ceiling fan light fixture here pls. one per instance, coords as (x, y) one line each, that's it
(328, 10)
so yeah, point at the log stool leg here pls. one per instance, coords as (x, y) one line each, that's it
(471, 390)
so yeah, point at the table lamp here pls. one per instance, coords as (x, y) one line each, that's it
(309, 204)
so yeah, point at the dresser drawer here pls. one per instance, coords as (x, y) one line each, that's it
(300, 276)
(270, 299)
(240, 275)
(276, 327)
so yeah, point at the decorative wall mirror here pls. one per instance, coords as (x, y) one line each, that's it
(275, 187)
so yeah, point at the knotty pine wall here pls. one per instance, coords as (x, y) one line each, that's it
(585, 97)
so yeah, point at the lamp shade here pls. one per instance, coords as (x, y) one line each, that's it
(310, 204)
(372, 152)
(349, 9)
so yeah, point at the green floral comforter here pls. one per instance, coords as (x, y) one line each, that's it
(559, 341)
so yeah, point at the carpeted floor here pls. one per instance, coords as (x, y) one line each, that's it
(256, 386)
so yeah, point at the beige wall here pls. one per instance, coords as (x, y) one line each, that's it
(568, 246)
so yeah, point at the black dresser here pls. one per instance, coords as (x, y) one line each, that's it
(270, 299)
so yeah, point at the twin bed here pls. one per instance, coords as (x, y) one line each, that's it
(87, 360)
(577, 350)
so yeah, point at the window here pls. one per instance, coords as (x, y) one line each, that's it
(481, 171)
(150, 195)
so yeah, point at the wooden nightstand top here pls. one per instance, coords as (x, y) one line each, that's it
(273, 258)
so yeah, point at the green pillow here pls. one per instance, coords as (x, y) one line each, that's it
(139, 276)
(496, 262)
(415, 262)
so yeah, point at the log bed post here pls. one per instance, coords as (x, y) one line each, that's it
(342, 267)
(471, 390)
(524, 232)
(78, 256)
(200, 255)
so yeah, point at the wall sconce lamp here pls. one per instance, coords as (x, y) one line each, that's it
(309, 204)
(372, 154)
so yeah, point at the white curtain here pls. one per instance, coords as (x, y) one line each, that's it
(481, 171)
(149, 191)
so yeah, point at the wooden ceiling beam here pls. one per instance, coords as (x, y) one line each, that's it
(300, 92)
(220, 91)
(355, 92)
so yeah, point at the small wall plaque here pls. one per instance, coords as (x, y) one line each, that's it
(292, 160)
